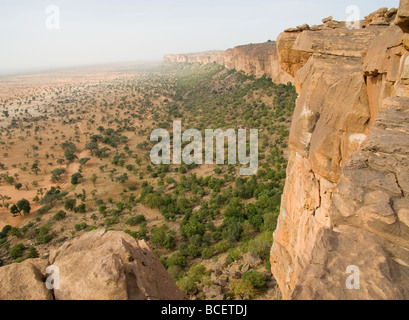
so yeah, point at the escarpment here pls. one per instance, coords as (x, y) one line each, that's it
(345, 202)
(253, 59)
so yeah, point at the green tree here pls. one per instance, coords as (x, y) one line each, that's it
(70, 204)
(35, 167)
(22, 207)
(56, 174)
(75, 178)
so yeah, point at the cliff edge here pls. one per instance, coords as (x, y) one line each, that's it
(346, 198)
(253, 59)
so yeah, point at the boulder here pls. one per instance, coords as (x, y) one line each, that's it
(24, 281)
(111, 266)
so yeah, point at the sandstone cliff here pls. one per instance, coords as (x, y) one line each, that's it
(346, 197)
(97, 266)
(253, 59)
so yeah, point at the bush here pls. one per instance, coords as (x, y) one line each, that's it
(75, 178)
(242, 289)
(32, 253)
(175, 272)
(260, 246)
(44, 209)
(137, 220)
(70, 204)
(60, 215)
(133, 234)
(222, 246)
(16, 232)
(193, 251)
(44, 239)
(170, 242)
(207, 253)
(17, 251)
(177, 259)
(187, 285)
(111, 221)
(233, 255)
(257, 280)
(79, 227)
(81, 208)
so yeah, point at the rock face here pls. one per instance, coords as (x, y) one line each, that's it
(258, 60)
(98, 266)
(201, 57)
(346, 195)
(253, 59)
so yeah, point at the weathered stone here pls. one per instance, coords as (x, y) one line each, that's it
(325, 20)
(24, 281)
(348, 169)
(111, 266)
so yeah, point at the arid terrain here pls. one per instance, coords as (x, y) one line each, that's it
(76, 147)
(325, 216)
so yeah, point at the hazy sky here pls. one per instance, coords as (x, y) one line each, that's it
(105, 31)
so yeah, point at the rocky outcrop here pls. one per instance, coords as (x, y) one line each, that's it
(258, 60)
(98, 266)
(344, 199)
(253, 59)
(24, 281)
(201, 57)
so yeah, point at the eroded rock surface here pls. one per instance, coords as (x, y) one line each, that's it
(99, 265)
(344, 199)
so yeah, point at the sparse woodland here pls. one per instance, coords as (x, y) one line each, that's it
(74, 157)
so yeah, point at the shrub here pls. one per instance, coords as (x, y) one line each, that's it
(207, 253)
(175, 272)
(70, 204)
(133, 234)
(233, 255)
(44, 209)
(187, 285)
(260, 246)
(81, 208)
(137, 220)
(60, 215)
(193, 251)
(75, 178)
(257, 280)
(242, 289)
(79, 227)
(32, 253)
(222, 246)
(17, 251)
(16, 232)
(111, 221)
(177, 259)
(170, 242)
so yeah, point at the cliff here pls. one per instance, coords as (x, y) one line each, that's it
(200, 57)
(346, 197)
(253, 59)
(97, 266)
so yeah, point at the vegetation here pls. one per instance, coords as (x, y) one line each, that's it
(87, 166)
